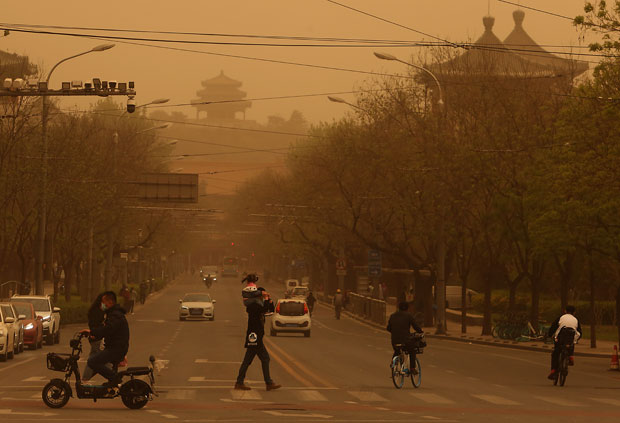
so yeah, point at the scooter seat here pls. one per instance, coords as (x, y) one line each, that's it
(136, 371)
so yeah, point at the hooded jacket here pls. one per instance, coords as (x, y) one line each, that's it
(256, 323)
(115, 330)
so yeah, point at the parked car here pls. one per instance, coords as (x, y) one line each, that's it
(50, 315)
(453, 296)
(18, 326)
(33, 325)
(197, 306)
(291, 316)
(7, 336)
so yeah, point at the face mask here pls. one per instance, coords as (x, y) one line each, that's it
(103, 307)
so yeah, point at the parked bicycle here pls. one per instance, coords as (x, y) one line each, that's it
(135, 393)
(403, 365)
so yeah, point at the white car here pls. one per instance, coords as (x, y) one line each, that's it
(291, 316)
(301, 292)
(50, 315)
(290, 284)
(18, 327)
(7, 337)
(197, 306)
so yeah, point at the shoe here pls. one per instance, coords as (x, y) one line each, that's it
(272, 386)
(571, 360)
(551, 375)
(242, 387)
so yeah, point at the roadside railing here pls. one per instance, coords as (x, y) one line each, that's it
(367, 308)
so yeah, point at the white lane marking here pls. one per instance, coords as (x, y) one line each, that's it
(245, 395)
(17, 364)
(350, 402)
(431, 417)
(494, 399)
(608, 401)
(37, 396)
(560, 401)
(169, 416)
(207, 361)
(382, 408)
(153, 411)
(367, 396)
(431, 398)
(204, 379)
(310, 395)
(452, 372)
(281, 414)
(22, 399)
(151, 321)
(432, 366)
(13, 413)
(35, 379)
(404, 412)
(181, 394)
(472, 378)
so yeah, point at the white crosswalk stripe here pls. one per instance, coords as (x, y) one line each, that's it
(494, 399)
(36, 379)
(181, 394)
(431, 398)
(560, 401)
(310, 395)
(245, 395)
(367, 396)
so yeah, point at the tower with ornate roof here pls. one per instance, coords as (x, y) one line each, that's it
(221, 98)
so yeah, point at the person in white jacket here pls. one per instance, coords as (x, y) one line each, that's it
(565, 325)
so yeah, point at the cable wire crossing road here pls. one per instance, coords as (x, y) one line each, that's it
(341, 373)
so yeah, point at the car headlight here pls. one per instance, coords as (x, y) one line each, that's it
(29, 326)
(184, 308)
(47, 318)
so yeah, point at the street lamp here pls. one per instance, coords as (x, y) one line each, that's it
(40, 256)
(441, 242)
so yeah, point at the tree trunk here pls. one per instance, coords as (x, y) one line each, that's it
(69, 274)
(592, 303)
(535, 309)
(512, 296)
(486, 321)
(618, 311)
(463, 305)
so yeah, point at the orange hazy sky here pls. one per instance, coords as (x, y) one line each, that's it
(177, 75)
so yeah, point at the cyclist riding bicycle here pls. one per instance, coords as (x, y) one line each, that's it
(398, 326)
(565, 325)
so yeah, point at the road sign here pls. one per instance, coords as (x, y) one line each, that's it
(374, 263)
(169, 187)
(341, 264)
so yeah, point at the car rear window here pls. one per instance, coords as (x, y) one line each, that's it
(7, 311)
(290, 308)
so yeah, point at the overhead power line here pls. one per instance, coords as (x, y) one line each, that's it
(557, 15)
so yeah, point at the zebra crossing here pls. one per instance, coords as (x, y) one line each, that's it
(377, 397)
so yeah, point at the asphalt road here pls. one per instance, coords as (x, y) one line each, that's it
(339, 374)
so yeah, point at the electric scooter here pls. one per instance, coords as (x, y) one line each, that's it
(135, 393)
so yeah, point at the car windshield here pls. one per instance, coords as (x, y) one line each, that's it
(39, 304)
(197, 298)
(7, 311)
(24, 309)
(292, 308)
(300, 291)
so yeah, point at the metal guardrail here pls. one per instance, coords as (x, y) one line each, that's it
(367, 308)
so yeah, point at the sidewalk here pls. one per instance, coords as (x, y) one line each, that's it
(604, 348)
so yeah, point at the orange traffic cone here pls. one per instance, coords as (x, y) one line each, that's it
(614, 359)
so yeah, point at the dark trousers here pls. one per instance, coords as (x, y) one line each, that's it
(410, 351)
(555, 355)
(250, 353)
(98, 362)
(338, 309)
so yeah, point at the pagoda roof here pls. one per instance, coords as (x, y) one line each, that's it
(489, 56)
(221, 80)
(523, 45)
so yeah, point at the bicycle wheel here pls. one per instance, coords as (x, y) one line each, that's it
(398, 375)
(416, 379)
(563, 368)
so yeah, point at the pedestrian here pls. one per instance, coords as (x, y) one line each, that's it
(133, 297)
(371, 289)
(143, 292)
(310, 300)
(254, 342)
(126, 296)
(338, 303)
(96, 317)
(384, 290)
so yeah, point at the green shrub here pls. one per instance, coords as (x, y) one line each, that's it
(74, 311)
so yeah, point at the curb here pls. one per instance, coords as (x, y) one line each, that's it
(478, 341)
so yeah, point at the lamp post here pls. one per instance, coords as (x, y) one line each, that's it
(440, 291)
(107, 279)
(40, 256)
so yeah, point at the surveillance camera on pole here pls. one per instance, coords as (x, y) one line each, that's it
(131, 104)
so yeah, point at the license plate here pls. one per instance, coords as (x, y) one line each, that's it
(291, 325)
(195, 311)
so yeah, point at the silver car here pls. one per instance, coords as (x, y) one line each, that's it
(18, 327)
(197, 306)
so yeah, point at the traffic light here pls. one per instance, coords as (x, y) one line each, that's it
(252, 253)
(232, 244)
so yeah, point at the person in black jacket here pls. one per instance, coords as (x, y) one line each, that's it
(398, 326)
(115, 334)
(254, 342)
(96, 317)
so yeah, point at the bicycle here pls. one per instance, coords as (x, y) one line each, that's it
(400, 368)
(565, 341)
